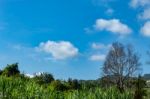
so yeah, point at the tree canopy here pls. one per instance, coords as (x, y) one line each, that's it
(11, 69)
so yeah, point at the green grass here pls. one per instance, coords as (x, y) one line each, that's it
(148, 93)
(18, 88)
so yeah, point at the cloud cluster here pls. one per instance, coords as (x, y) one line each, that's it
(113, 25)
(58, 50)
(137, 3)
(144, 15)
(100, 51)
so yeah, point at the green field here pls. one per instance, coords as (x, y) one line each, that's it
(21, 88)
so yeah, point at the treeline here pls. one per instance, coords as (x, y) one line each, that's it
(12, 70)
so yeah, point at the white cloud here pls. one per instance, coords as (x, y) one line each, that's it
(113, 25)
(39, 73)
(33, 75)
(98, 46)
(100, 57)
(58, 50)
(145, 15)
(144, 8)
(137, 3)
(99, 51)
(145, 30)
(29, 75)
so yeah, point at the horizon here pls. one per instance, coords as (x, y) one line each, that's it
(71, 38)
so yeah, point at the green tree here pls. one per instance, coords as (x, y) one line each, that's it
(11, 70)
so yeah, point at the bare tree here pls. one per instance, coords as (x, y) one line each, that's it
(121, 63)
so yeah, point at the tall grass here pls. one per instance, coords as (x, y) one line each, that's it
(18, 88)
(98, 93)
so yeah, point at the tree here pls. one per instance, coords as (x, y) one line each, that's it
(121, 63)
(44, 78)
(11, 70)
(74, 83)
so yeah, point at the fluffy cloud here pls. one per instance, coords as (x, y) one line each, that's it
(100, 57)
(145, 30)
(99, 51)
(58, 50)
(113, 25)
(137, 3)
(100, 46)
(144, 6)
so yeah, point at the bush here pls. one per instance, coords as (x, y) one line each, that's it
(44, 78)
(57, 86)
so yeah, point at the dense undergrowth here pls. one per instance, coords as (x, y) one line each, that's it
(23, 88)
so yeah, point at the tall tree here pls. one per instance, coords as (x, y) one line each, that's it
(121, 63)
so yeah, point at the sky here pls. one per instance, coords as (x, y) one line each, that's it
(71, 38)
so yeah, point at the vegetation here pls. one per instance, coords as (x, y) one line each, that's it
(117, 83)
(140, 92)
(43, 78)
(121, 63)
(28, 89)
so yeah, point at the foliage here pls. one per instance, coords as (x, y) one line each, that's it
(73, 84)
(57, 86)
(44, 78)
(11, 70)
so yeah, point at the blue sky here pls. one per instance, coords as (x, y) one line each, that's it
(70, 38)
